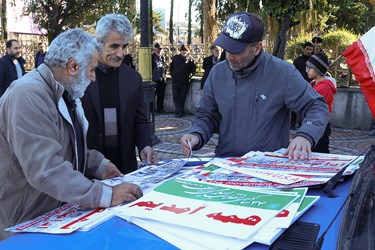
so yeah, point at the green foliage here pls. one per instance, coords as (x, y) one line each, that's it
(337, 41)
(334, 43)
(56, 16)
(225, 8)
(278, 9)
(156, 21)
(228, 7)
(294, 46)
(357, 16)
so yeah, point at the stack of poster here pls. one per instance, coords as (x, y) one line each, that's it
(63, 220)
(235, 201)
(149, 176)
(72, 217)
(196, 215)
(186, 238)
(272, 170)
(319, 164)
(268, 234)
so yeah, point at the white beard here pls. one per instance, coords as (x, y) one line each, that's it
(78, 85)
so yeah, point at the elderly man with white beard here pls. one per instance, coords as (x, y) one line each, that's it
(44, 158)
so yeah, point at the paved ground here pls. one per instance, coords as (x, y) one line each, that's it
(170, 129)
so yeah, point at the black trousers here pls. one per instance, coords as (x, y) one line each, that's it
(323, 144)
(179, 92)
(160, 93)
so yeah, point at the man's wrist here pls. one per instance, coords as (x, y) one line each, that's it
(200, 139)
(106, 199)
(307, 137)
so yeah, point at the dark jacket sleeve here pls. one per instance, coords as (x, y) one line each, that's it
(206, 62)
(171, 66)
(22, 62)
(153, 62)
(2, 76)
(207, 67)
(193, 68)
(140, 125)
(36, 60)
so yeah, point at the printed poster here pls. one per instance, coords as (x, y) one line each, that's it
(220, 210)
(280, 164)
(149, 176)
(285, 218)
(267, 235)
(331, 159)
(71, 217)
(187, 238)
(270, 175)
(214, 174)
(62, 220)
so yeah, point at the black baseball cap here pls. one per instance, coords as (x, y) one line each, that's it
(240, 29)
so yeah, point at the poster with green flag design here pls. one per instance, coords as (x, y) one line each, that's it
(220, 210)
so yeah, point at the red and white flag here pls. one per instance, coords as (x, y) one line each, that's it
(360, 56)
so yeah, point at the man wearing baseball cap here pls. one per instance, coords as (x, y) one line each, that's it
(248, 97)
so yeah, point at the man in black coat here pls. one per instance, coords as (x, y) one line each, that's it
(300, 64)
(114, 103)
(300, 61)
(182, 69)
(158, 76)
(39, 56)
(209, 62)
(11, 65)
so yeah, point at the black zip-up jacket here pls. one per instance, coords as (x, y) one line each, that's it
(8, 71)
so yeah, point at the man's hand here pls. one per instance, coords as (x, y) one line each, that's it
(185, 139)
(125, 192)
(111, 171)
(148, 155)
(299, 148)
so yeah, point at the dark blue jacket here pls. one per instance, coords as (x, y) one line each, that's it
(158, 68)
(39, 58)
(208, 63)
(182, 69)
(8, 71)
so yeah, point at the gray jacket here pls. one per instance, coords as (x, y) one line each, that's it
(251, 107)
(38, 154)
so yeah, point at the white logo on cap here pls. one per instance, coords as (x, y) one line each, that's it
(235, 27)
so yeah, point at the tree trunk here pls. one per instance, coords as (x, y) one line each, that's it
(132, 10)
(210, 18)
(3, 14)
(189, 22)
(151, 27)
(281, 38)
(201, 33)
(171, 24)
